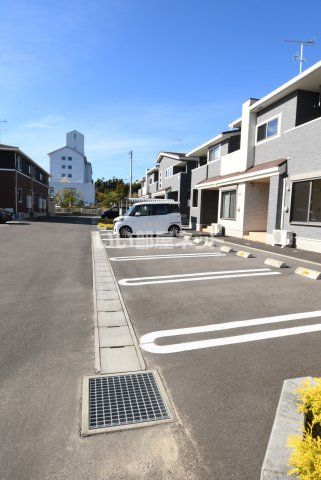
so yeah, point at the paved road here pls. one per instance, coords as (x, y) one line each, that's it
(226, 396)
(46, 346)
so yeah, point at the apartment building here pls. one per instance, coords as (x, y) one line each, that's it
(23, 183)
(70, 169)
(171, 179)
(269, 176)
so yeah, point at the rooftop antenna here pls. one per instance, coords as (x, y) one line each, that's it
(130, 153)
(2, 121)
(302, 43)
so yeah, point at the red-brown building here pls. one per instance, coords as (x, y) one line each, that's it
(24, 185)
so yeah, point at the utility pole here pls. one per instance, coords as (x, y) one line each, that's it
(130, 153)
(2, 121)
(300, 58)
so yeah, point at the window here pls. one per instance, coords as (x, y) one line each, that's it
(173, 208)
(69, 175)
(228, 205)
(19, 195)
(19, 163)
(306, 201)
(150, 180)
(195, 198)
(267, 129)
(29, 169)
(69, 158)
(160, 180)
(69, 167)
(63, 158)
(160, 209)
(169, 172)
(40, 177)
(63, 166)
(142, 210)
(63, 175)
(214, 153)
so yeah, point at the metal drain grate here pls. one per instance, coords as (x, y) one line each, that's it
(120, 400)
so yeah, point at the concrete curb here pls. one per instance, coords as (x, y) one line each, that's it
(272, 262)
(116, 346)
(243, 254)
(287, 422)
(96, 328)
(227, 249)
(129, 324)
(307, 272)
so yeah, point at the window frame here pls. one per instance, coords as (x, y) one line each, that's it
(223, 193)
(215, 159)
(19, 195)
(19, 163)
(169, 172)
(301, 222)
(195, 198)
(266, 122)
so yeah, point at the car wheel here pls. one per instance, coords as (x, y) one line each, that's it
(125, 232)
(174, 230)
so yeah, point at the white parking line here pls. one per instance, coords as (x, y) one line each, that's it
(147, 341)
(194, 277)
(152, 245)
(169, 255)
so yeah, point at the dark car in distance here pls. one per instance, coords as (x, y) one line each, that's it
(5, 216)
(111, 213)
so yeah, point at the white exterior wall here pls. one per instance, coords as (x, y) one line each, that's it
(77, 163)
(234, 228)
(86, 191)
(70, 160)
(76, 141)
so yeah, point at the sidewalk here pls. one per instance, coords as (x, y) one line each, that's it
(312, 257)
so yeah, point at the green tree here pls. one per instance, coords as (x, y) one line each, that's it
(71, 198)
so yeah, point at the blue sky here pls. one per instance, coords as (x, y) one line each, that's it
(147, 75)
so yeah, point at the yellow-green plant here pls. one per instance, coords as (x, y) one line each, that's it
(310, 399)
(305, 459)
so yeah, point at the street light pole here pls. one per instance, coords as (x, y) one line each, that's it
(130, 153)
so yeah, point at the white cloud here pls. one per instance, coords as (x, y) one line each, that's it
(50, 121)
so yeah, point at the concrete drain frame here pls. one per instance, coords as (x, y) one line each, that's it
(132, 394)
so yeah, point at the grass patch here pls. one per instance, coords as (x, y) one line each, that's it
(105, 226)
(305, 459)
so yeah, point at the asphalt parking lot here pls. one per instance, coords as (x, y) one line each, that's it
(225, 379)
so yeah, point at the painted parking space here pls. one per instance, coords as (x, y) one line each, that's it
(196, 277)
(224, 347)
(147, 342)
(171, 256)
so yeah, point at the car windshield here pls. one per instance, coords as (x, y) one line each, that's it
(130, 209)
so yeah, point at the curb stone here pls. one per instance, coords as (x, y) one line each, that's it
(116, 346)
(287, 422)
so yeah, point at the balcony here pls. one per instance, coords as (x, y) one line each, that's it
(230, 163)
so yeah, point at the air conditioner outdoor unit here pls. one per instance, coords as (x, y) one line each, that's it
(283, 238)
(217, 229)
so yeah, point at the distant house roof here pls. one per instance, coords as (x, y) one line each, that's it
(69, 148)
(235, 176)
(201, 150)
(17, 150)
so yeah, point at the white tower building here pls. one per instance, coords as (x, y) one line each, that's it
(69, 169)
